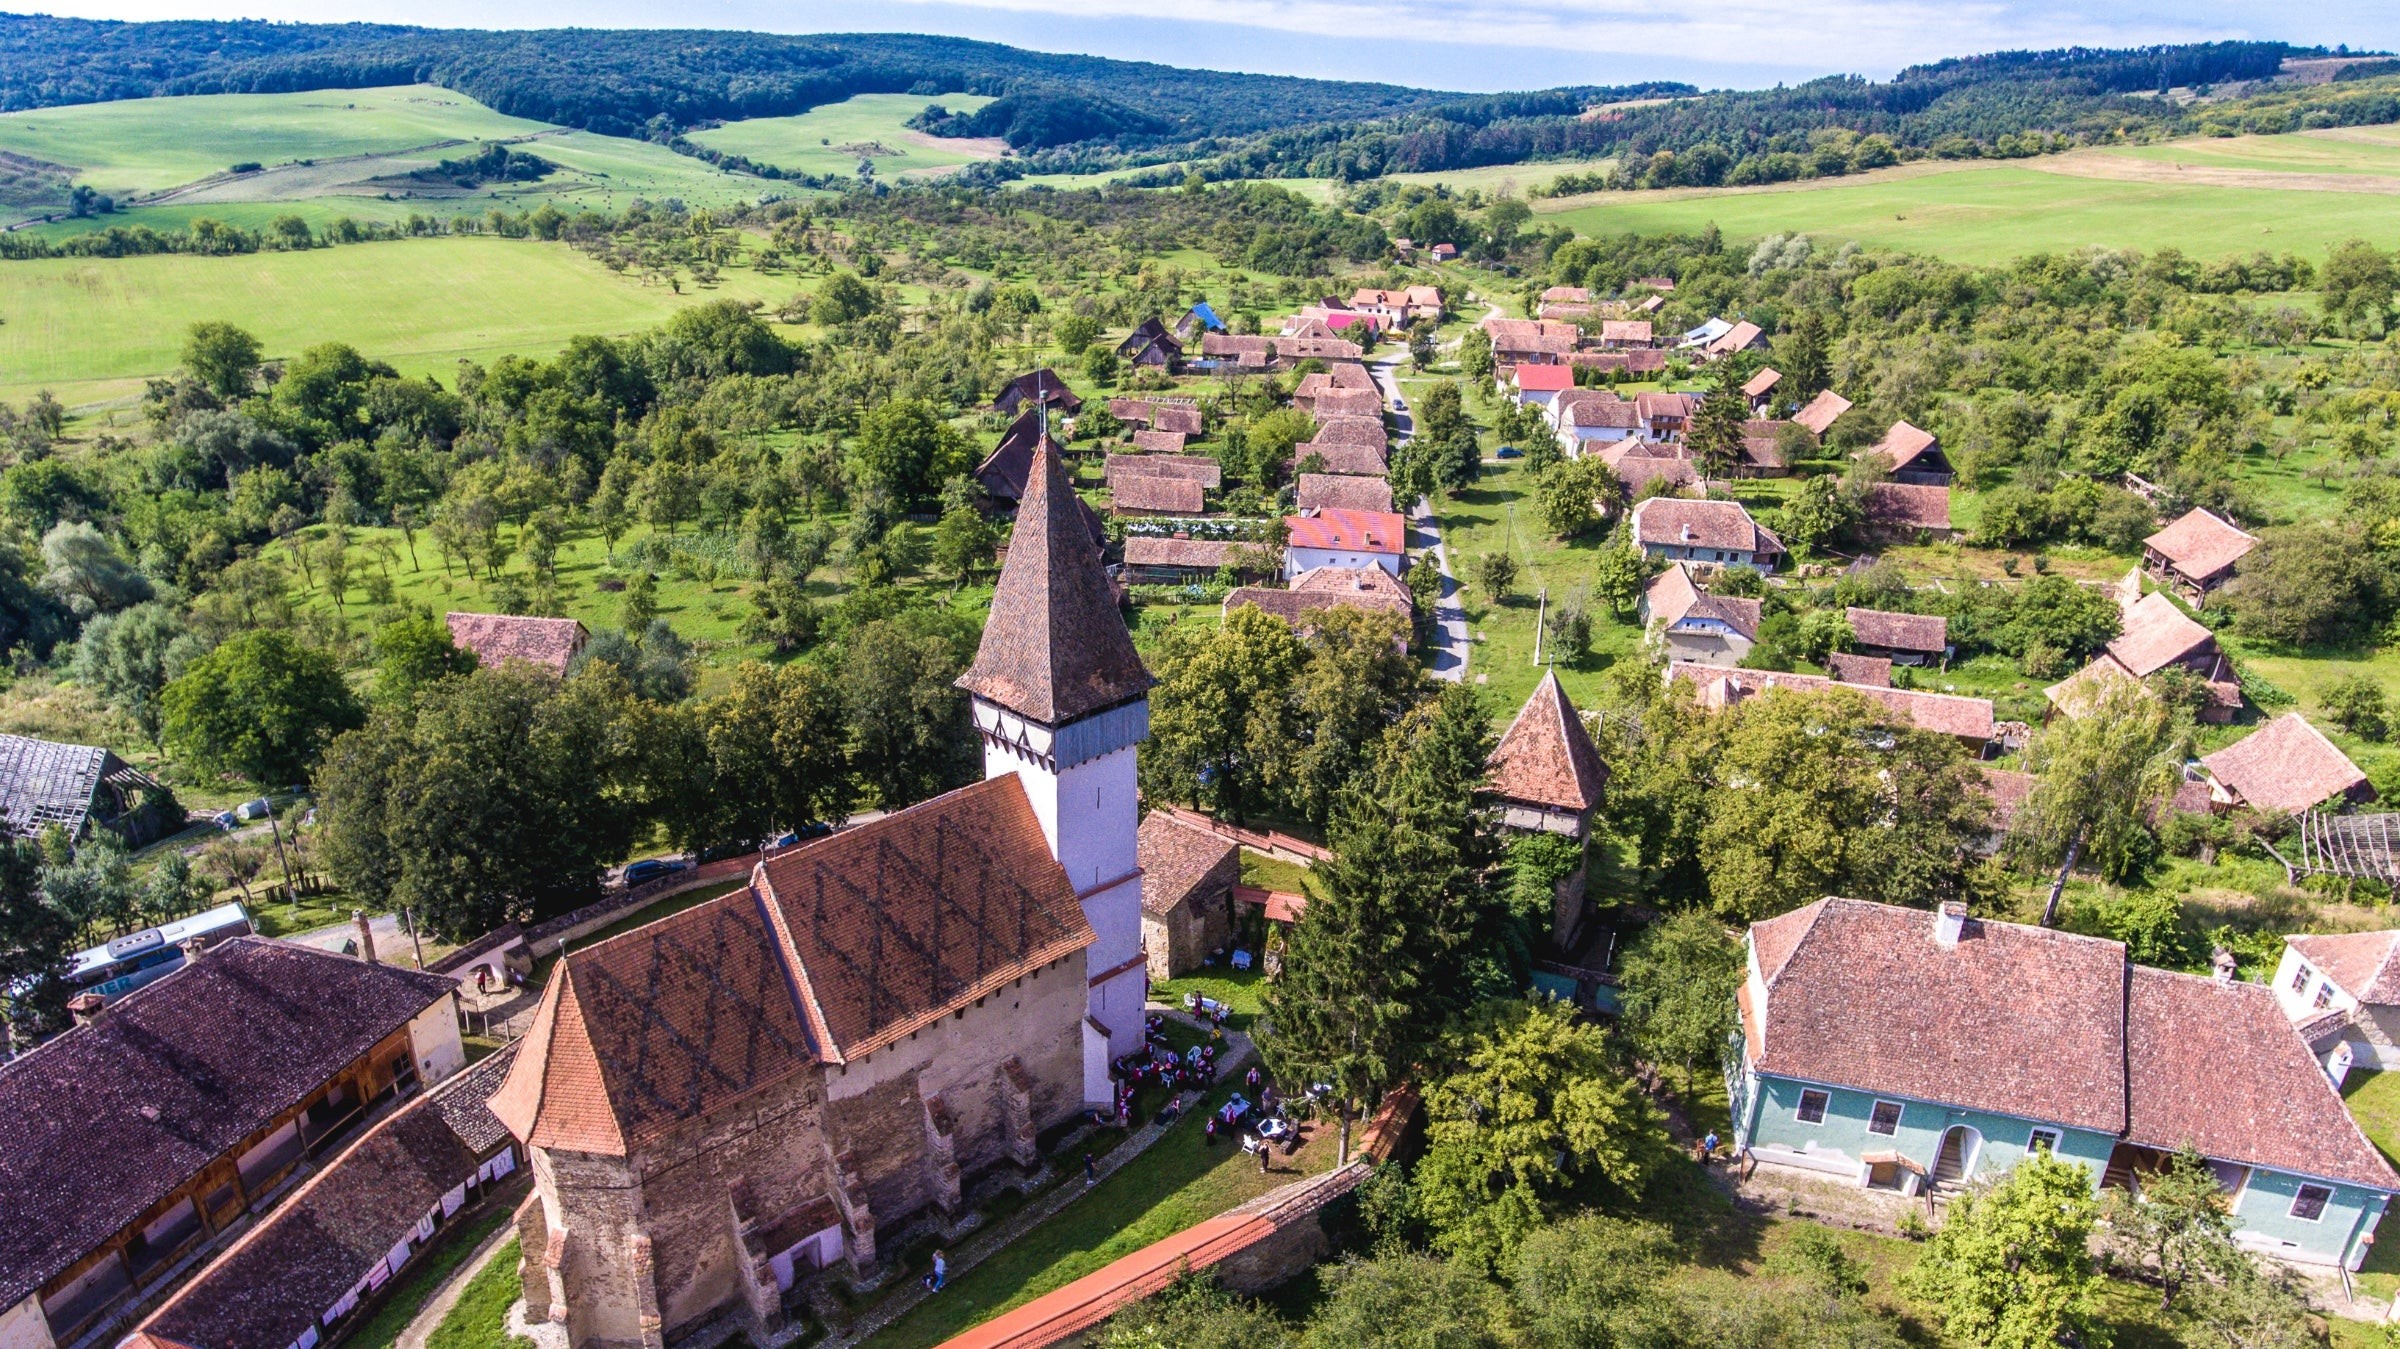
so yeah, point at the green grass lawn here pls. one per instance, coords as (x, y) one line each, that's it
(1990, 213)
(1271, 873)
(479, 1320)
(1180, 1181)
(145, 144)
(833, 138)
(425, 1278)
(1244, 992)
(91, 329)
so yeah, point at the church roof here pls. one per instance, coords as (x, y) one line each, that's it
(835, 950)
(1054, 647)
(1547, 757)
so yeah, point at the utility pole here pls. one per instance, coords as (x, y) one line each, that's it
(291, 892)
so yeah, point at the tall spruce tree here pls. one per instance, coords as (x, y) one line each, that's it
(1715, 437)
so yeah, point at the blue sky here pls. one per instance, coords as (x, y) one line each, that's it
(1449, 44)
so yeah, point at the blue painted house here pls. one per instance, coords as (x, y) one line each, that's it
(1899, 1049)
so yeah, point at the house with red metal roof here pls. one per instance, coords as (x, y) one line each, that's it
(1540, 385)
(1908, 1051)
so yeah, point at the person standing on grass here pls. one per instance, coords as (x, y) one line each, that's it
(941, 1271)
(1091, 1173)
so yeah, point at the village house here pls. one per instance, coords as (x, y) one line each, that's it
(1159, 442)
(1740, 337)
(1249, 354)
(1370, 589)
(1822, 412)
(879, 1018)
(1566, 295)
(1531, 341)
(1637, 464)
(1043, 388)
(1902, 511)
(1762, 450)
(314, 1266)
(1197, 320)
(1002, 472)
(544, 643)
(1706, 333)
(1966, 720)
(1342, 538)
(2155, 636)
(1849, 667)
(1164, 559)
(79, 788)
(1591, 419)
(1664, 416)
(1620, 334)
(1347, 445)
(1195, 468)
(1188, 875)
(1719, 532)
(1903, 1050)
(2286, 766)
(1444, 252)
(1343, 491)
(1181, 419)
(1903, 639)
(1640, 362)
(2342, 992)
(1155, 494)
(1539, 385)
(1760, 389)
(1399, 308)
(1695, 626)
(2195, 554)
(1914, 455)
(1546, 776)
(1347, 403)
(1151, 345)
(167, 1115)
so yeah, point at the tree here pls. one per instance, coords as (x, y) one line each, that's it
(1575, 1280)
(652, 663)
(2356, 285)
(1224, 725)
(1445, 439)
(414, 651)
(222, 359)
(905, 449)
(1099, 365)
(1569, 494)
(1075, 332)
(1475, 354)
(1618, 574)
(639, 604)
(1536, 1113)
(843, 299)
(2100, 775)
(261, 707)
(87, 573)
(1194, 1313)
(129, 657)
(963, 543)
(772, 758)
(781, 616)
(2309, 584)
(36, 941)
(1804, 353)
(497, 795)
(1405, 1300)
(1715, 437)
(909, 732)
(1568, 630)
(1824, 510)
(1679, 978)
(2178, 1230)
(2009, 1268)
(2356, 704)
(1496, 575)
(610, 506)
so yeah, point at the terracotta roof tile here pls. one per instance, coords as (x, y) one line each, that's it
(1348, 403)
(1363, 461)
(1763, 382)
(1928, 633)
(1159, 442)
(1367, 431)
(1348, 531)
(1634, 331)
(2219, 1066)
(1157, 494)
(2019, 1020)
(1969, 719)
(1906, 505)
(895, 923)
(1004, 470)
(1172, 417)
(1822, 412)
(1054, 647)
(1672, 521)
(1180, 860)
(1153, 550)
(1546, 757)
(1369, 588)
(2365, 965)
(2286, 765)
(1903, 445)
(1197, 468)
(2200, 545)
(2157, 634)
(105, 1120)
(1318, 491)
(2008, 790)
(1872, 672)
(546, 643)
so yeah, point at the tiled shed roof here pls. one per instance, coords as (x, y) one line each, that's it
(1546, 757)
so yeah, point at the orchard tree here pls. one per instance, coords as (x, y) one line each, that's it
(261, 707)
(37, 939)
(129, 657)
(2101, 772)
(1496, 575)
(2010, 1268)
(1679, 980)
(2356, 284)
(414, 651)
(222, 359)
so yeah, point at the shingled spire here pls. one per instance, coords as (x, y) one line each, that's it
(1054, 648)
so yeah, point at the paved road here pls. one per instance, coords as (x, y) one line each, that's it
(1449, 619)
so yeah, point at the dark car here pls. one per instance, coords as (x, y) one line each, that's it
(651, 868)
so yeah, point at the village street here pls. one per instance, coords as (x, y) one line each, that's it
(1449, 619)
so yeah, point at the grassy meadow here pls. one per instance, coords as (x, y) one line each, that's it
(2265, 192)
(92, 329)
(833, 138)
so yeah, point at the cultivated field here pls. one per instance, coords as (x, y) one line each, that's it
(92, 329)
(2209, 197)
(832, 139)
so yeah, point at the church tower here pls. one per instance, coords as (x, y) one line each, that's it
(1062, 700)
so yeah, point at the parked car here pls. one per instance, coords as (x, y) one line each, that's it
(651, 868)
(1508, 452)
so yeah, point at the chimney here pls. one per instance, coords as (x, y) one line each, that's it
(1949, 923)
(2223, 963)
(1687, 533)
(366, 935)
(85, 1008)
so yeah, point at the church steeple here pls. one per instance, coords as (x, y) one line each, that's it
(1054, 648)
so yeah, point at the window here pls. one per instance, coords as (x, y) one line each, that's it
(2300, 979)
(2042, 1140)
(1885, 1119)
(2309, 1204)
(2324, 995)
(1812, 1107)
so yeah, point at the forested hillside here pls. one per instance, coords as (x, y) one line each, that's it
(646, 83)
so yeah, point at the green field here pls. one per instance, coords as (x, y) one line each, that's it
(149, 144)
(93, 329)
(832, 139)
(1990, 213)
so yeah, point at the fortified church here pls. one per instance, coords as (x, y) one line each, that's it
(723, 1100)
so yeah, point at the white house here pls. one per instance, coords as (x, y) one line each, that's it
(1719, 532)
(1541, 385)
(1333, 537)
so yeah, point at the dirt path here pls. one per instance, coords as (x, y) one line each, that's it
(415, 1333)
